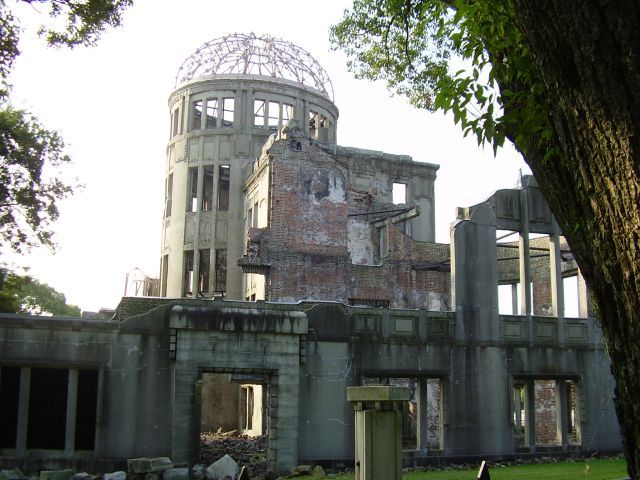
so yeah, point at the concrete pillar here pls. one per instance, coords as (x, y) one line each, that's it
(23, 411)
(562, 414)
(72, 400)
(378, 432)
(423, 408)
(530, 411)
(557, 291)
(525, 256)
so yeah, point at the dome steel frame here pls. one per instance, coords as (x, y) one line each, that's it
(255, 55)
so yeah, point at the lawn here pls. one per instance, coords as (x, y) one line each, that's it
(609, 469)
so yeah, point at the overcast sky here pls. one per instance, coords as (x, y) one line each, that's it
(110, 104)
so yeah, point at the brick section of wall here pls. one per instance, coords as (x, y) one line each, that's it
(546, 412)
(306, 243)
(132, 306)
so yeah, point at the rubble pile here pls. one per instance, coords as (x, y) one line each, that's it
(248, 451)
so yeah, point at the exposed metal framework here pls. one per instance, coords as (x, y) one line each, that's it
(249, 54)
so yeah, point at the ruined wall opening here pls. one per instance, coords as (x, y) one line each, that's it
(234, 419)
(546, 413)
(86, 409)
(224, 176)
(422, 419)
(571, 289)
(9, 403)
(399, 193)
(47, 408)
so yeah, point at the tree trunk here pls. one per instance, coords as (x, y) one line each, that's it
(587, 54)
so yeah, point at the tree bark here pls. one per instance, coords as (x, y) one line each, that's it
(587, 55)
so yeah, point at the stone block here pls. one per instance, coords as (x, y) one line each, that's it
(149, 465)
(119, 475)
(56, 474)
(12, 474)
(222, 468)
(176, 474)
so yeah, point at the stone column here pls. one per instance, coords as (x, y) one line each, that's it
(378, 431)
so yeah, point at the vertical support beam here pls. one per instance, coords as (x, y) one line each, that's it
(530, 414)
(557, 291)
(23, 411)
(583, 297)
(422, 433)
(72, 403)
(562, 413)
(525, 255)
(514, 299)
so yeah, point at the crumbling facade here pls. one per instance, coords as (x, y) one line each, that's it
(331, 279)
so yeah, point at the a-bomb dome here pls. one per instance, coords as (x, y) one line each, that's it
(249, 54)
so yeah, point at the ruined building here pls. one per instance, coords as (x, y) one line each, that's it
(292, 268)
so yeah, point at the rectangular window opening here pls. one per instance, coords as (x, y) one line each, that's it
(176, 122)
(221, 269)
(519, 402)
(9, 403)
(187, 283)
(259, 112)
(196, 122)
(399, 193)
(224, 173)
(287, 112)
(274, 115)
(313, 124)
(573, 413)
(165, 275)
(192, 194)
(207, 189)
(212, 113)
(203, 272)
(570, 290)
(168, 196)
(228, 105)
(86, 409)
(47, 424)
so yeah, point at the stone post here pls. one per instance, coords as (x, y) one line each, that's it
(378, 453)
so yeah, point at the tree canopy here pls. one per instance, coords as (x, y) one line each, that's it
(561, 80)
(32, 157)
(25, 294)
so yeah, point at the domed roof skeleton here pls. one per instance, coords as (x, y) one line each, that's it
(248, 54)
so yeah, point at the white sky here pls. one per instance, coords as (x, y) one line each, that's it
(110, 104)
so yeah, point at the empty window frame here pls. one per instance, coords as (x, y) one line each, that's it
(168, 196)
(175, 122)
(204, 263)
(399, 193)
(212, 113)
(287, 112)
(519, 407)
(221, 269)
(247, 403)
(274, 115)
(228, 107)
(259, 113)
(223, 187)
(254, 220)
(164, 268)
(46, 428)
(192, 190)
(86, 409)
(187, 282)
(314, 121)
(573, 412)
(196, 119)
(207, 188)
(9, 403)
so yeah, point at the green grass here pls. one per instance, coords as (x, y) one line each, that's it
(609, 469)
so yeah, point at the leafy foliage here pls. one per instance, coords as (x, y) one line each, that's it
(28, 198)
(30, 155)
(25, 294)
(462, 56)
(85, 20)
